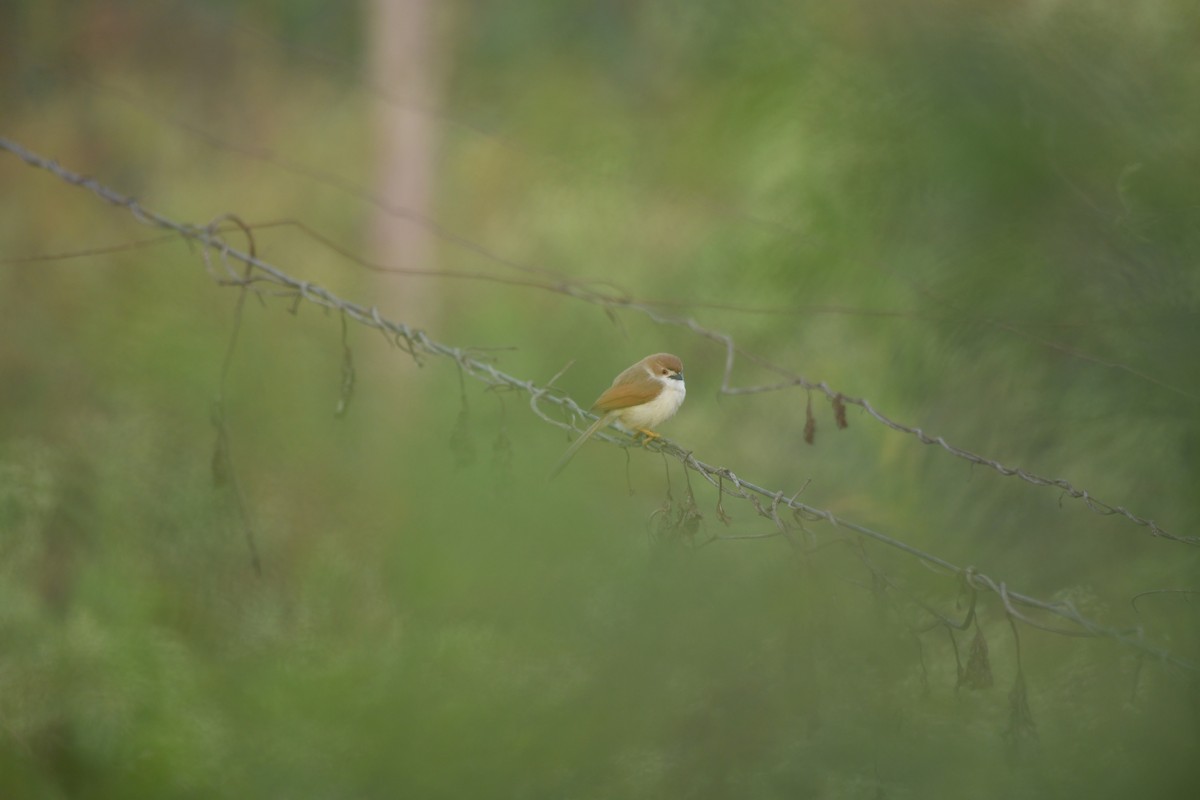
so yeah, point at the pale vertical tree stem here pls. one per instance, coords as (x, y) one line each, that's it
(403, 66)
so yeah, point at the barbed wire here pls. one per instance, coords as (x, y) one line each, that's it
(613, 298)
(783, 511)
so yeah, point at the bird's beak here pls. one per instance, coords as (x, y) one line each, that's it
(676, 376)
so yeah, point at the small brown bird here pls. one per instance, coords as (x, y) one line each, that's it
(640, 398)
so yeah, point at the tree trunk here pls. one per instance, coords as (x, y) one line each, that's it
(403, 68)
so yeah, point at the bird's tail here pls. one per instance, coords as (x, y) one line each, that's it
(575, 445)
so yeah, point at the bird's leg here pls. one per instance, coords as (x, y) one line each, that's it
(649, 435)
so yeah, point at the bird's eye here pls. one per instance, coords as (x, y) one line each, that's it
(666, 372)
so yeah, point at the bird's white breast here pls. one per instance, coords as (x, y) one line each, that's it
(657, 411)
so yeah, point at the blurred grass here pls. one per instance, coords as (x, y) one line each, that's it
(992, 180)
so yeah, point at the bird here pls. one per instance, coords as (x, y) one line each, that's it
(642, 397)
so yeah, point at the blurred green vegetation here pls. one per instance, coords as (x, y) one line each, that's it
(979, 216)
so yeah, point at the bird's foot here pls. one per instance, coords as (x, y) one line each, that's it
(648, 435)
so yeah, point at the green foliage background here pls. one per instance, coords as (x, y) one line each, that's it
(979, 216)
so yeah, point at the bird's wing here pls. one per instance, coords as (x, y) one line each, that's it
(624, 395)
